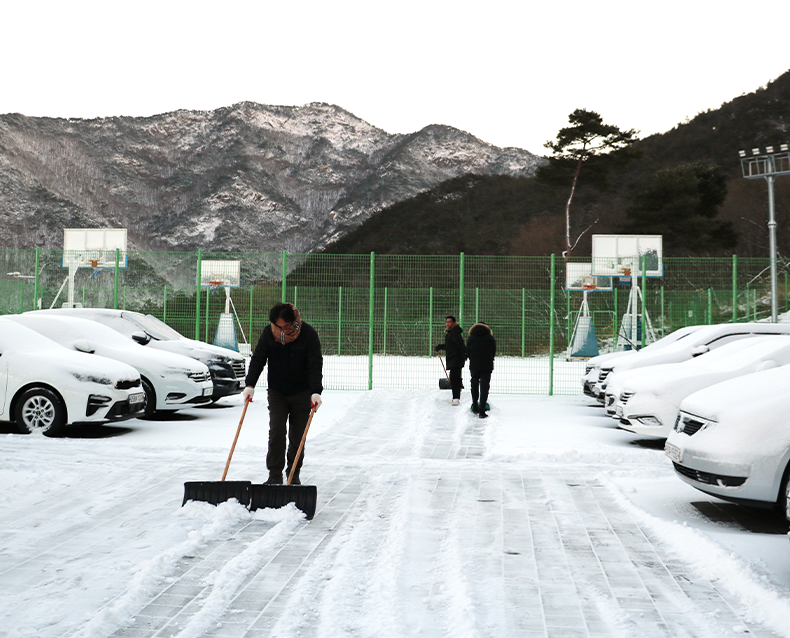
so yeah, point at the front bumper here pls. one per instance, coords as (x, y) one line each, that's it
(746, 484)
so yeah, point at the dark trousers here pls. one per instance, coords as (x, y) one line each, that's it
(287, 420)
(481, 384)
(455, 381)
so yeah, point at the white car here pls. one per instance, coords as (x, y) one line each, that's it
(700, 341)
(170, 381)
(593, 379)
(649, 399)
(44, 387)
(227, 367)
(732, 440)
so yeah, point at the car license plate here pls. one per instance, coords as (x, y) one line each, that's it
(208, 391)
(136, 398)
(673, 452)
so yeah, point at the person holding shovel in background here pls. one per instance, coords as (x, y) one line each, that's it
(481, 346)
(455, 349)
(292, 349)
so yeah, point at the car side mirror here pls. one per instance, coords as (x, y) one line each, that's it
(770, 364)
(141, 337)
(83, 345)
(699, 350)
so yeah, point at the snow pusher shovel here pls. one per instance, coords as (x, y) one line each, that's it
(216, 492)
(444, 384)
(271, 495)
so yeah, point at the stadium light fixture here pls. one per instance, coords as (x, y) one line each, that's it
(768, 166)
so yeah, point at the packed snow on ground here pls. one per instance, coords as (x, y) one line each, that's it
(93, 535)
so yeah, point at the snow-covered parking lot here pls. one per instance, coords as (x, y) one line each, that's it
(543, 520)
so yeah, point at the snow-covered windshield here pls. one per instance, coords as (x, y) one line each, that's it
(673, 337)
(157, 329)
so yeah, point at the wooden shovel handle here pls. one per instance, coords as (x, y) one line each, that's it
(236, 438)
(443, 367)
(301, 447)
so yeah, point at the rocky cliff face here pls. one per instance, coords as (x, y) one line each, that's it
(243, 178)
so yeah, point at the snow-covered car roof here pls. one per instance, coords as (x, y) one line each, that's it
(769, 351)
(86, 336)
(128, 322)
(683, 348)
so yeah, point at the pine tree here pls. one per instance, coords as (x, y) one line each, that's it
(586, 137)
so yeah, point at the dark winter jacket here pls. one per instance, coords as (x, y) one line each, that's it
(481, 347)
(293, 367)
(454, 347)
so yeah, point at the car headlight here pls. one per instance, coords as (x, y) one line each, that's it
(91, 378)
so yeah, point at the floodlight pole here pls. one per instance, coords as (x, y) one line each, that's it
(772, 248)
(768, 166)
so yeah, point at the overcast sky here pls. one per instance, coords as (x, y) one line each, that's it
(509, 72)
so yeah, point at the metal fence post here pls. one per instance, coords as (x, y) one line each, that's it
(249, 320)
(461, 293)
(371, 309)
(117, 264)
(734, 289)
(339, 315)
(384, 335)
(164, 305)
(551, 326)
(35, 282)
(208, 292)
(430, 318)
(285, 271)
(523, 322)
(197, 294)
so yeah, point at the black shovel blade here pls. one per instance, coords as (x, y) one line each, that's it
(264, 495)
(216, 492)
(444, 384)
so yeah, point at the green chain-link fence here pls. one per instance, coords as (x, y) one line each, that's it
(380, 316)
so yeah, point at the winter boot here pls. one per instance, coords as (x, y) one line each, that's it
(474, 407)
(275, 478)
(294, 479)
(482, 414)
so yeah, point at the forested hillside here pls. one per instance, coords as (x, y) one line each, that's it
(525, 216)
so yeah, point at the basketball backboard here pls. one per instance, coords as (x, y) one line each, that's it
(578, 276)
(220, 273)
(94, 247)
(618, 255)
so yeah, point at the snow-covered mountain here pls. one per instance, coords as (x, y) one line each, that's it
(249, 177)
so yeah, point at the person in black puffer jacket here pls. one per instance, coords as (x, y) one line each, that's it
(292, 350)
(481, 347)
(455, 348)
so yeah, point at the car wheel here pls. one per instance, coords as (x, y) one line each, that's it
(783, 502)
(150, 398)
(40, 410)
(787, 501)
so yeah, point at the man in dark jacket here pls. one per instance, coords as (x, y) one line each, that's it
(293, 351)
(481, 347)
(455, 349)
